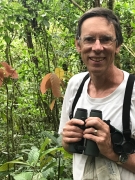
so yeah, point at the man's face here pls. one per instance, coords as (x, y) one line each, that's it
(97, 45)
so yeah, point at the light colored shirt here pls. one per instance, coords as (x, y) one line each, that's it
(111, 107)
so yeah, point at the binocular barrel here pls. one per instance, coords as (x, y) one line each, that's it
(78, 147)
(85, 146)
(91, 147)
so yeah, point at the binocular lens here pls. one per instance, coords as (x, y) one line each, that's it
(117, 137)
(117, 149)
(128, 147)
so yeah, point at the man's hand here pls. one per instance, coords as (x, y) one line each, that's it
(101, 136)
(71, 132)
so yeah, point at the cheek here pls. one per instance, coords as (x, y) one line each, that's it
(84, 53)
(85, 50)
(111, 57)
(110, 53)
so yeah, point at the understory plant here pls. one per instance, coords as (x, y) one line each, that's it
(48, 162)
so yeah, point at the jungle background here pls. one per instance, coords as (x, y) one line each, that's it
(37, 42)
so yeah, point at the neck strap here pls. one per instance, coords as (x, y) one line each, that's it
(77, 96)
(126, 107)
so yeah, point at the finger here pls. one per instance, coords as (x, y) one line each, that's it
(95, 132)
(72, 128)
(75, 122)
(90, 130)
(72, 135)
(93, 118)
(98, 136)
(95, 122)
(71, 140)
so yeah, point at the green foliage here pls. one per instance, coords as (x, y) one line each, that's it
(44, 163)
(37, 37)
(125, 11)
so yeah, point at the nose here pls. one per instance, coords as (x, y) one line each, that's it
(97, 46)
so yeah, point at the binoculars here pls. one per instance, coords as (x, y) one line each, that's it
(85, 146)
(120, 144)
(90, 148)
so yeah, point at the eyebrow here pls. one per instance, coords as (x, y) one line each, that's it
(106, 35)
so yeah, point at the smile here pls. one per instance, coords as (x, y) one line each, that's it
(97, 59)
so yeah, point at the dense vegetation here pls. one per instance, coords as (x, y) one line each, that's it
(37, 39)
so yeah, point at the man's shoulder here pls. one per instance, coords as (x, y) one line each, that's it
(77, 78)
(75, 82)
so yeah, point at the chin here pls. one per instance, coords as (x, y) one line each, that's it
(96, 73)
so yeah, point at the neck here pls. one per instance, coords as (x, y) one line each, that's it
(103, 85)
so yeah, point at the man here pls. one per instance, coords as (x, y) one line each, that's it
(98, 41)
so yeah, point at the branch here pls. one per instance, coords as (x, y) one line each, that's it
(129, 50)
(77, 5)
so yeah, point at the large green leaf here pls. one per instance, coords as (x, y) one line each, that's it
(39, 176)
(45, 143)
(9, 165)
(50, 151)
(24, 176)
(33, 156)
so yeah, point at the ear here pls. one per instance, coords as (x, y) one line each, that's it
(117, 50)
(78, 46)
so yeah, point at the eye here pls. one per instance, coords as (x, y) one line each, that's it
(105, 40)
(89, 40)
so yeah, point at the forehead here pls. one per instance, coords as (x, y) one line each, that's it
(97, 26)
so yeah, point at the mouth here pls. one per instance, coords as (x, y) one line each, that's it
(97, 59)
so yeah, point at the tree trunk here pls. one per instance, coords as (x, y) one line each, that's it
(110, 4)
(96, 3)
